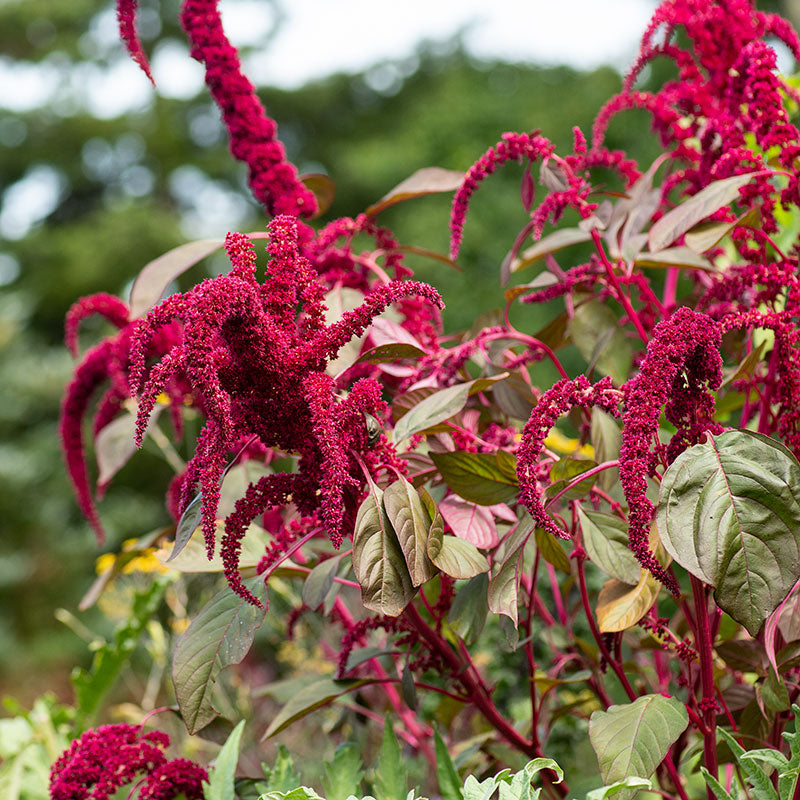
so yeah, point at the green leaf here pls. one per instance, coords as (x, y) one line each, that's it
(595, 331)
(343, 775)
(391, 782)
(440, 406)
(502, 594)
(410, 521)
(220, 635)
(467, 615)
(323, 189)
(319, 582)
(281, 777)
(564, 472)
(187, 525)
(192, 556)
(310, 698)
(606, 438)
(115, 444)
(453, 556)
(429, 180)
(620, 606)
(551, 551)
(633, 739)
(729, 513)
(706, 202)
(408, 688)
(378, 561)
(446, 772)
(393, 351)
(92, 686)
(605, 537)
(631, 782)
(680, 257)
(220, 779)
(476, 477)
(552, 243)
(756, 777)
(716, 786)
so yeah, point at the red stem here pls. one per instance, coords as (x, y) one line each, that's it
(704, 647)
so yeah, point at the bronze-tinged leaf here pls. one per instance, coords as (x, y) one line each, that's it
(411, 523)
(620, 606)
(323, 189)
(429, 180)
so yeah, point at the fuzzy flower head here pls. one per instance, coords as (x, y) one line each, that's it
(256, 355)
(108, 758)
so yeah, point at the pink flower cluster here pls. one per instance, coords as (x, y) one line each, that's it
(255, 356)
(105, 759)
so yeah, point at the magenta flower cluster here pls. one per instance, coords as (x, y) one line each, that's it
(255, 356)
(105, 759)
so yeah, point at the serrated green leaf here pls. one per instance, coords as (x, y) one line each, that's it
(281, 777)
(467, 615)
(756, 777)
(633, 739)
(220, 779)
(312, 697)
(219, 636)
(391, 781)
(716, 786)
(410, 521)
(605, 537)
(476, 477)
(729, 513)
(344, 773)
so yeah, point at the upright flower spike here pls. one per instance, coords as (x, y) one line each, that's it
(273, 180)
(681, 364)
(255, 355)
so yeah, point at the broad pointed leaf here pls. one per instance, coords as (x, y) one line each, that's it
(378, 561)
(596, 333)
(633, 739)
(477, 477)
(620, 606)
(504, 581)
(455, 557)
(470, 521)
(707, 201)
(605, 538)
(680, 257)
(312, 697)
(220, 780)
(428, 180)
(552, 243)
(729, 512)
(319, 581)
(220, 635)
(467, 615)
(411, 523)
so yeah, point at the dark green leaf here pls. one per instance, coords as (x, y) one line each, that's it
(605, 537)
(187, 525)
(467, 615)
(408, 688)
(564, 472)
(312, 697)
(378, 561)
(595, 322)
(477, 477)
(410, 521)
(729, 513)
(551, 551)
(220, 635)
(504, 583)
(743, 655)
(390, 352)
(633, 739)
(319, 582)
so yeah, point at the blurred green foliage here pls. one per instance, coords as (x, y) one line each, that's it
(119, 191)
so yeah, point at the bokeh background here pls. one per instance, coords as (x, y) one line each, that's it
(100, 173)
